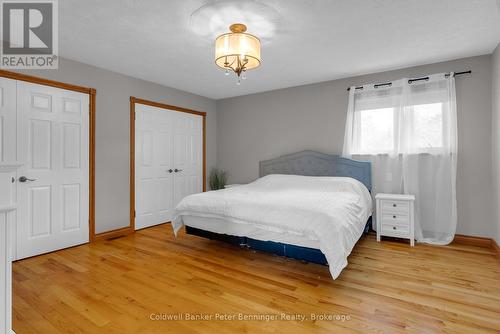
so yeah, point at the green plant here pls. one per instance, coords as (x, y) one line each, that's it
(217, 178)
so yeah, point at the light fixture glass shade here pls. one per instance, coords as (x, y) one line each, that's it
(230, 46)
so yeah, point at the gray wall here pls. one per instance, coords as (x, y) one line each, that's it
(496, 138)
(112, 130)
(265, 125)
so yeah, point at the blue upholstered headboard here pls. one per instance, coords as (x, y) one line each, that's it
(311, 163)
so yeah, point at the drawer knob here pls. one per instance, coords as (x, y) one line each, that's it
(393, 216)
(394, 205)
(394, 227)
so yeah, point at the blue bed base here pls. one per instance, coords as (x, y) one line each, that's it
(295, 252)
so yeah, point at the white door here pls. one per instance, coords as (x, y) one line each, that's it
(168, 162)
(188, 155)
(53, 183)
(153, 165)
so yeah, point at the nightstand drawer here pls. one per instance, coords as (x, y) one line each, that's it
(395, 219)
(393, 228)
(395, 206)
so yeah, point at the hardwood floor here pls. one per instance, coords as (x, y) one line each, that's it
(115, 286)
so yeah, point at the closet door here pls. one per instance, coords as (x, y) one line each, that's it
(188, 155)
(53, 183)
(168, 162)
(153, 165)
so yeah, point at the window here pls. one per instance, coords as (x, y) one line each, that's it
(428, 126)
(377, 130)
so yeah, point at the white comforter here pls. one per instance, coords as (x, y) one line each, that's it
(332, 210)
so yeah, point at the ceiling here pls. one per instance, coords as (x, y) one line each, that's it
(311, 40)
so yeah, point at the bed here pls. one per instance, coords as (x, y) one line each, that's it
(307, 205)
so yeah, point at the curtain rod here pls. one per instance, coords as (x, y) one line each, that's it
(412, 80)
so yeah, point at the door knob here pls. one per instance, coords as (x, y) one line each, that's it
(170, 170)
(24, 179)
(177, 170)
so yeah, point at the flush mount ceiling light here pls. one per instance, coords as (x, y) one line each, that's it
(211, 21)
(237, 51)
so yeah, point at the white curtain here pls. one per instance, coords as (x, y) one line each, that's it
(408, 130)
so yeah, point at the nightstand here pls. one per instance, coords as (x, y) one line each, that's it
(396, 216)
(231, 185)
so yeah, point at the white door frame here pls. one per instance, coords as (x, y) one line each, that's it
(133, 101)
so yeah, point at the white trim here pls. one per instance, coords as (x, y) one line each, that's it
(7, 170)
